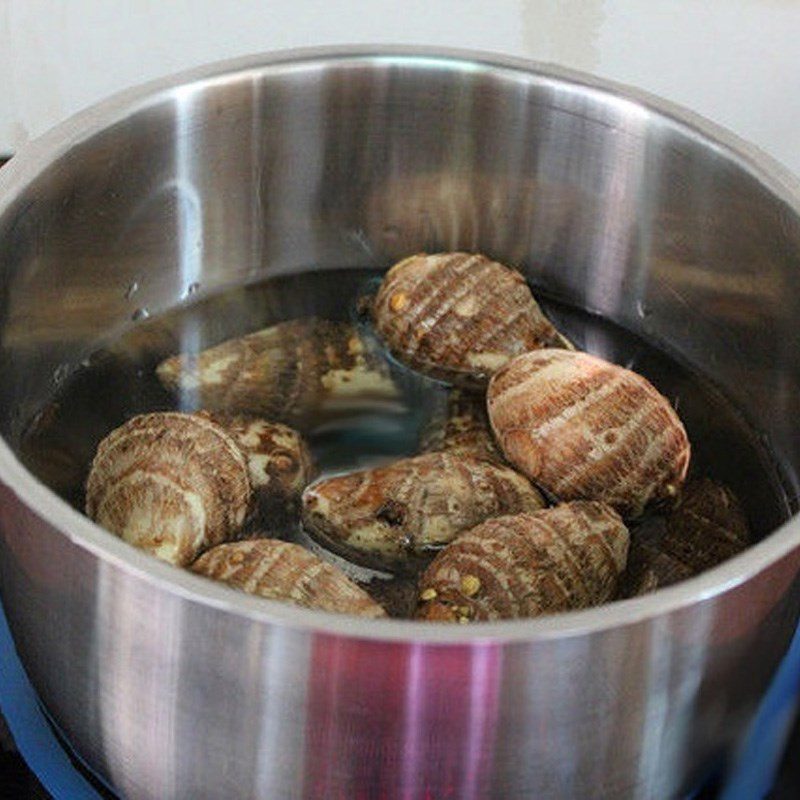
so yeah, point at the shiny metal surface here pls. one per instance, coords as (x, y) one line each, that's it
(172, 687)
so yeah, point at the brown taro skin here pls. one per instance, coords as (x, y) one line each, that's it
(284, 571)
(513, 567)
(649, 569)
(459, 316)
(292, 372)
(278, 460)
(397, 595)
(583, 428)
(171, 484)
(394, 516)
(707, 526)
(462, 428)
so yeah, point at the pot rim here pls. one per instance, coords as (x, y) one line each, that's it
(25, 167)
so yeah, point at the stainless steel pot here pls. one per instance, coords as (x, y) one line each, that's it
(170, 686)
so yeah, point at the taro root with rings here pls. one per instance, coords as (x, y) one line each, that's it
(566, 557)
(394, 516)
(296, 372)
(174, 484)
(459, 316)
(583, 428)
(171, 484)
(284, 571)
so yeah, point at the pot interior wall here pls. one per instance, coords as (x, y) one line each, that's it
(606, 204)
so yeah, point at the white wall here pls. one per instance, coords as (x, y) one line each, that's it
(736, 61)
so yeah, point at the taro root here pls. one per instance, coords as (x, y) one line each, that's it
(172, 484)
(583, 428)
(284, 571)
(292, 372)
(393, 516)
(56, 449)
(649, 569)
(398, 596)
(707, 527)
(459, 316)
(525, 565)
(278, 460)
(463, 428)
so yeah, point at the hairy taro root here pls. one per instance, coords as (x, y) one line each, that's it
(566, 557)
(392, 516)
(278, 461)
(459, 316)
(584, 428)
(291, 372)
(463, 428)
(172, 484)
(283, 571)
(707, 527)
(397, 595)
(649, 569)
